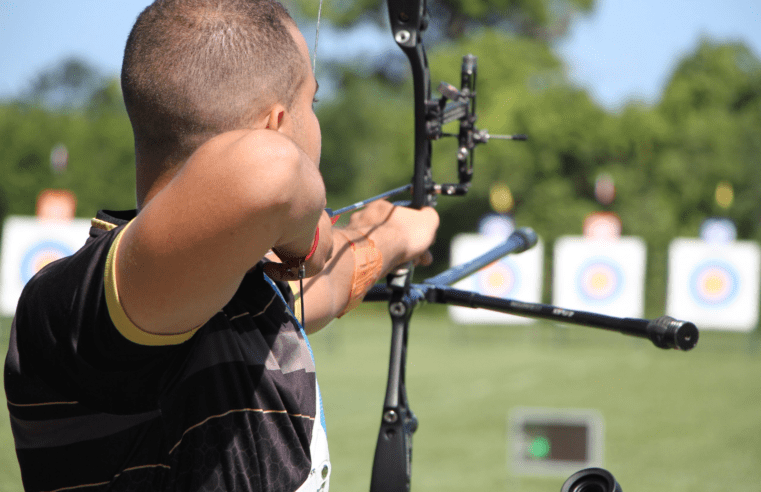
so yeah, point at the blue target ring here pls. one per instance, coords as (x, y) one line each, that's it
(599, 280)
(501, 279)
(40, 255)
(714, 283)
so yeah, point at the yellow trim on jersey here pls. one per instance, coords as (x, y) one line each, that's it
(102, 224)
(296, 300)
(120, 319)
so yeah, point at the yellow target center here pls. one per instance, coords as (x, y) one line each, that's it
(495, 279)
(599, 281)
(713, 283)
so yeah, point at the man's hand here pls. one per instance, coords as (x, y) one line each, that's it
(402, 234)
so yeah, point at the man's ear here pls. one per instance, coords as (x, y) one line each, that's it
(275, 117)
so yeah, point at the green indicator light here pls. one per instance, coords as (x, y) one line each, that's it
(539, 448)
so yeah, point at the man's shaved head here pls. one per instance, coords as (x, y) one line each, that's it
(196, 68)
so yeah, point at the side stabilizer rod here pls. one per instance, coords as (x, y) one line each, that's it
(518, 242)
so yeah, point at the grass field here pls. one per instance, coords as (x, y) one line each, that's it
(673, 421)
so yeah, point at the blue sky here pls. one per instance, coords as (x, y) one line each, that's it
(625, 50)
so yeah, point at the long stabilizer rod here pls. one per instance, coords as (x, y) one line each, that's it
(665, 332)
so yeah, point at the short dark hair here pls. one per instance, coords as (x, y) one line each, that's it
(196, 68)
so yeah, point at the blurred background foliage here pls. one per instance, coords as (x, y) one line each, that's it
(666, 158)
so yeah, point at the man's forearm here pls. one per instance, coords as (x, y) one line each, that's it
(376, 240)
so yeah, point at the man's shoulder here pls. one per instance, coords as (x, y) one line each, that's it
(71, 274)
(260, 148)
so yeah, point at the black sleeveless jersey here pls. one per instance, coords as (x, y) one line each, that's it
(96, 404)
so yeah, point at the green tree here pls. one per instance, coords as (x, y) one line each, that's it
(68, 84)
(98, 137)
(713, 103)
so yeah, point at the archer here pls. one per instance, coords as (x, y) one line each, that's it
(165, 355)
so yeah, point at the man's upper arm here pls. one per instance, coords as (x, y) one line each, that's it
(185, 254)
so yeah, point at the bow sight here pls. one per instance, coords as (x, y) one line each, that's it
(453, 105)
(462, 108)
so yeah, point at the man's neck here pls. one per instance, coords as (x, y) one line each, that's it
(149, 182)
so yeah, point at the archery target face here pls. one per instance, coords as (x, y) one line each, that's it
(605, 277)
(714, 285)
(512, 277)
(501, 279)
(599, 280)
(28, 245)
(41, 255)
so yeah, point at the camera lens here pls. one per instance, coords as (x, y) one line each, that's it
(589, 485)
(591, 480)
